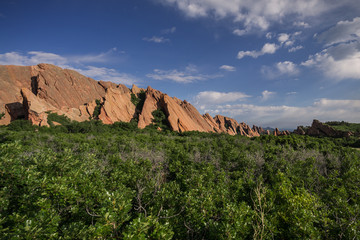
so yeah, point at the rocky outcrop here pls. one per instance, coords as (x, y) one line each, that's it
(117, 106)
(136, 90)
(179, 116)
(300, 131)
(35, 91)
(151, 103)
(319, 129)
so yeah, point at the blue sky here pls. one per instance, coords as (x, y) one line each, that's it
(277, 63)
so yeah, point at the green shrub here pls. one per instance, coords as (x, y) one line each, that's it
(2, 115)
(54, 117)
(97, 109)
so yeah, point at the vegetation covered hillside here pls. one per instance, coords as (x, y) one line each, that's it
(345, 126)
(93, 181)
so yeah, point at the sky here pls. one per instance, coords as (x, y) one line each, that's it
(272, 63)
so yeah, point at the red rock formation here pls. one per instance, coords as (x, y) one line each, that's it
(135, 90)
(117, 106)
(56, 86)
(152, 101)
(32, 92)
(319, 129)
(179, 116)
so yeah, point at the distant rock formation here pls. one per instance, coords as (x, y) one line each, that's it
(33, 92)
(320, 129)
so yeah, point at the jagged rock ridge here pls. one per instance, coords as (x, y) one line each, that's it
(320, 129)
(31, 92)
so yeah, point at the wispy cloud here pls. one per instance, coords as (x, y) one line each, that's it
(294, 49)
(78, 63)
(228, 68)
(288, 116)
(213, 97)
(189, 75)
(168, 30)
(268, 48)
(156, 39)
(342, 32)
(266, 95)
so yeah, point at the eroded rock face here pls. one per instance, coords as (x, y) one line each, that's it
(179, 117)
(117, 106)
(56, 86)
(64, 87)
(319, 129)
(152, 103)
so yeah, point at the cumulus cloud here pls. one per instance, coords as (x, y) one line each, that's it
(286, 68)
(259, 14)
(268, 48)
(338, 62)
(156, 39)
(77, 63)
(189, 75)
(289, 116)
(228, 68)
(342, 32)
(213, 97)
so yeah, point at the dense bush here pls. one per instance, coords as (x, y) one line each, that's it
(94, 181)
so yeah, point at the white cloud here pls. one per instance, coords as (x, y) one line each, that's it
(188, 76)
(156, 39)
(240, 32)
(294, 49)
(342, 32)
(212, 97)
(269, 35)
(108, 74)
(258, 14)
(279, 69)
(289, 116)
(301, 24)
(32, 58)
(268, 48)
(228, 68)
(266, 95)
(71, 62)
(283, 37)
(338, 62)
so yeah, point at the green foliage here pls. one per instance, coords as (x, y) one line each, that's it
(2, 115)
(94, 181)
(21, 125)
(139, 100)
(97, 109)
(160, 119)
(54, 117)
(345, 126)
